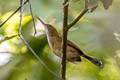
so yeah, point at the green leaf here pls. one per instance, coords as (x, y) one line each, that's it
(7, 38)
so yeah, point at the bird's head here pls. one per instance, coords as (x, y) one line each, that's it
(49, 29)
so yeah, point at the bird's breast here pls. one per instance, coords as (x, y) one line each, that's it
(57, 48)
(55, 44)
(71, 52)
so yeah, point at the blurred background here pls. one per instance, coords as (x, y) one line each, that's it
(97, 34)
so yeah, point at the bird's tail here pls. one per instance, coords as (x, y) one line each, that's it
(93, 60)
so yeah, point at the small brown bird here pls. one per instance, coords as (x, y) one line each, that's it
(74, 53)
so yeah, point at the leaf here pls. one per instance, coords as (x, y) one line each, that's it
(7, 38)
(106, 3)
(91, 5)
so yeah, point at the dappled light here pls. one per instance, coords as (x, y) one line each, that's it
(97, 34)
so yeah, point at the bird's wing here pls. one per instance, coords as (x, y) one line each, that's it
(71, 44)
(93, 60)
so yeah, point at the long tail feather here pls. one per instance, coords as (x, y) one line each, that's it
(93, 60)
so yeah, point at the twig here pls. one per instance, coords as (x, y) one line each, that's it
(21, 15)
(64, 39)
(12, 14)
(66, 27)
(7, 52)
(25, 42)
(38, 58)
(32, 18)
(86, 4)
(77, 19)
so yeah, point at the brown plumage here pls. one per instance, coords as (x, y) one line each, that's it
(74, 53)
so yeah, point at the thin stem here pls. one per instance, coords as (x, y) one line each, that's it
(25, 42)
(86, 4)
(21, 15)
(12, 14)
(7, 52)
(32, 18)
(64, 37)
(77, 19)
(38, 58)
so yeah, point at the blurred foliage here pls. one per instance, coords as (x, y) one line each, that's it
(94, 34)
(7, 38)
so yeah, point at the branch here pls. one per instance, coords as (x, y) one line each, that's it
(64, 39)
(7, 52)
(66, 27)
(25, 42)
(28, 46)
(12, 14)
(21, 15)
(86, 4)
(77, 19)
(38, 58)
(32, 18)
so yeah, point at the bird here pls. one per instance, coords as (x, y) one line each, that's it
(73, 53)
